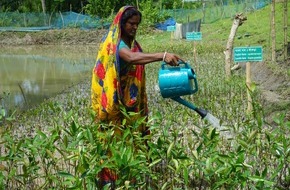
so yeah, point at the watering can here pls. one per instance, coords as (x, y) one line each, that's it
(179, 81)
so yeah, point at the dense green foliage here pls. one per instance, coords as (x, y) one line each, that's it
(58, 145)
(102, 8)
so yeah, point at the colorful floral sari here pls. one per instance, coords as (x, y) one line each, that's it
(113, 86)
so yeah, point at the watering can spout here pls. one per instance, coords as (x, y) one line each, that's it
(200, 111)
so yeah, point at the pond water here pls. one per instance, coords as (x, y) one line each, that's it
(30, 74)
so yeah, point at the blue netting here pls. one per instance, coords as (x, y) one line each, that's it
(163, 26)
(213, 11)
(72, 19)
(15, 21)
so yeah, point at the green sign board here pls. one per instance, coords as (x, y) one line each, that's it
(247, 54)
(171, 28)
(193, 35)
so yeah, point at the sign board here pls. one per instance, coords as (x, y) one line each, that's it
(247, 54)
(193, 35)
(171, 28)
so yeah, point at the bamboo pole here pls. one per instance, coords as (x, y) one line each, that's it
(273, 31)
(248, 83)
(285, 30)
(194, 54)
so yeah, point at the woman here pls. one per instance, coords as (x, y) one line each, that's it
(118, 79)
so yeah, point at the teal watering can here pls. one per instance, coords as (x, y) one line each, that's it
(179, 81)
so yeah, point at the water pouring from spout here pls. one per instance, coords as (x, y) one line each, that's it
(203, 113)
(215, 122)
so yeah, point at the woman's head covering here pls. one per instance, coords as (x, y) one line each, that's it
(112, 90)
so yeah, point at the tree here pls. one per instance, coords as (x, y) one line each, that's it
(238, 21)
(101, 8)
(43, 6)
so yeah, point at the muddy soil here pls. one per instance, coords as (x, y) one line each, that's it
(46, 37)
(275, 86)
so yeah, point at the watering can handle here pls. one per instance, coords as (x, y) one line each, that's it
(179, 62)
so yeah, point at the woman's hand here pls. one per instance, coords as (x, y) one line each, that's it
(171, 59)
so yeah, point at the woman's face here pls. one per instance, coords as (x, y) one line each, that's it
(131, 26)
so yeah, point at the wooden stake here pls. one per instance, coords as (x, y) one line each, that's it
(194, 53)
(248, 83)
(171, 38)
(285, 31)
(273, 31)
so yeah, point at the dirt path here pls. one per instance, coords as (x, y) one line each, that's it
(275, 88)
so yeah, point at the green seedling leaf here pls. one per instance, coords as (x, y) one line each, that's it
(73, 127)
(195, 154)
(65, 175)
(164, 186)
(176, 164)
(185, 175)
(43, 135)
(268, 136)
(124, 122)
(90, 136)
(61, 152)
(19, 144)
(3, 113)
(80, 135)
(243, 143)
(126, 133)
(253, 87)
(265, 171)
(212, 133)
(69, 114)
(199, 148)
(169, 149)
(50, 154)
(260, 179)
(252, 136)
(155, 162)
(208, 164)
(65, 141)
(247, 165)
(71, 156)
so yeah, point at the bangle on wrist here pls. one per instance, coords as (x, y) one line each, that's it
(164, 56)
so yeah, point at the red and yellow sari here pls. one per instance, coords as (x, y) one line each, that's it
(115, 85)
(112, 85)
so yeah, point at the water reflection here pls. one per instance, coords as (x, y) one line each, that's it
(26, 79)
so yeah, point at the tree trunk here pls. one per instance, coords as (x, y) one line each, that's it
(43, 6)
(285, 31)
(44, 11)
(238, 21)
(273, 32)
